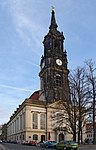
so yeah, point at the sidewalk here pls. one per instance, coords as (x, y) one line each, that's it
(87, 146)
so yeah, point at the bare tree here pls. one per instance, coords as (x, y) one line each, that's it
(72, 112)
(64, 117)
(80, 93)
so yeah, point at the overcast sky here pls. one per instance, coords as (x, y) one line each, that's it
(23, 25)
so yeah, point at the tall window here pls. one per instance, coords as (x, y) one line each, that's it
(17, 124)
(35, 121)
(42, 121)
(24, 120)
(20, 122)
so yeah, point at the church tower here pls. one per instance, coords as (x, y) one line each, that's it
(54, 83)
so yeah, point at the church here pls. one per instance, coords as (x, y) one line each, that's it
(32, 119)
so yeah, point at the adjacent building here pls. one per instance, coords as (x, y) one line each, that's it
(0, 131)
(3, 132)
(89, 133)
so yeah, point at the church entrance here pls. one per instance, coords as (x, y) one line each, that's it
(61, 137)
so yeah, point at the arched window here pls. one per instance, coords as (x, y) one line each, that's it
(42, 121)
(35, 137)
(35, 121)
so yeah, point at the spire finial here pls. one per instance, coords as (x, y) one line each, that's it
(52, 8)
(53, 21)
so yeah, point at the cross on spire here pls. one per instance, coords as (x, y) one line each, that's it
(53, 20)
(52, 8)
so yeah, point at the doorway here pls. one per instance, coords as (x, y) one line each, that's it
(42, 138)
(61, 137)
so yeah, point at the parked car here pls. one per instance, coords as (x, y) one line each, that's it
(33, 143)
(39, 143)
(48, 144)
(67, 145)
(42, 144)
(0, 141)
(25, 143)
(13, 142)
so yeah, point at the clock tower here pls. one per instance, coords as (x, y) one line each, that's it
(54, 83)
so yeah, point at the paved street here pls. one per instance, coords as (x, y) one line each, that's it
(7, 146)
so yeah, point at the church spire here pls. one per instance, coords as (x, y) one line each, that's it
(53, 20)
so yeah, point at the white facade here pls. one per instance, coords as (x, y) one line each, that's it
(29, 123)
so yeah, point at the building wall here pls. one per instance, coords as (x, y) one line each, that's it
(16, 126)
(89, 133)
(20, 128)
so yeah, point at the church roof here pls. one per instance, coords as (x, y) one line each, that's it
(35, 95)
(34, 99)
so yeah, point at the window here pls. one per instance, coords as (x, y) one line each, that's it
(42, 121)
(58, 80)
(23, 118)
(35, 137)
(17, 124)
(35, 121)
(20, 122)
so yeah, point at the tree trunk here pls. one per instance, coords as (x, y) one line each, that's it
(74, 135)
(81, 136)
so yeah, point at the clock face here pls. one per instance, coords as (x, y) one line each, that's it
(58, 62)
